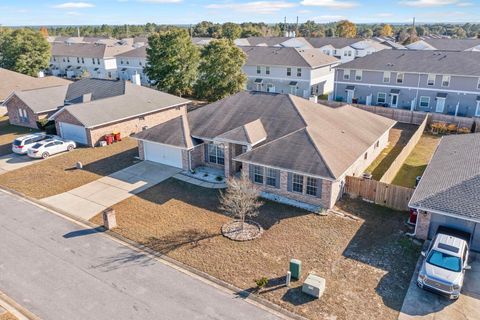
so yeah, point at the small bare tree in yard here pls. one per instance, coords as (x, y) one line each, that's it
(241, 201)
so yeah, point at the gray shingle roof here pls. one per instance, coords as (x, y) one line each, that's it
(337, 43)
(99, 88)
(173, 132)
(135, 53)
(136, 101)
(43, 99)
(88, 50)
(453, 44)
(441, 62)
(451, 182)
(250, 133)
(282, 56)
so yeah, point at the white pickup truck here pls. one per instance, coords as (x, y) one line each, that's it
(443, 269)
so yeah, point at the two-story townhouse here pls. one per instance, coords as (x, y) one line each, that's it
(132, 63)
(291, 42)
(75, 60)
(446, 44)
(430, 81)
(301, 72)
(347, 49)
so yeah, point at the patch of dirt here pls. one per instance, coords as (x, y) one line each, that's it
(57, 174)
(7, 316)
(367, 263)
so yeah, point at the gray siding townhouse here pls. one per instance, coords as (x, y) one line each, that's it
(97, 59)
(448, 194)
(301, 72)
(432, 81)
(132, 63)
(289, 146)
(446, 44)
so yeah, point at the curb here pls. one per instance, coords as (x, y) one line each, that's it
(269, 306)
(15, 309)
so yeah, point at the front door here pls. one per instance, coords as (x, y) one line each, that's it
(394, 101)
(440, 105)
(350, 96)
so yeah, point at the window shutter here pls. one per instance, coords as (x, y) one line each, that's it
(289, 184)
(277, 179)
(319, 187)
(250, 172)
(206, 152)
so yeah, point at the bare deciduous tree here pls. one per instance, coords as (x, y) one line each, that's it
(240, 200)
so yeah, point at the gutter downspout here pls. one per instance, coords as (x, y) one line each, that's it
(418, 88)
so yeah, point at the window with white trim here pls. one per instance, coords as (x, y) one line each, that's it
(216, 154)
(289, 72)
(386, 77)
(312, 186)
(445, 81)
(358, 75)
(297, 183)
(267, 70)
(381, 97)
(431, 79)
(478, 83)
(299, 72)
(477, 111)
(271, 177)
(346, 74)
(258, 174)
(424, 102)
(400, 77)
(259, 69)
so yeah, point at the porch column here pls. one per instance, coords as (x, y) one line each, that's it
(423, 224)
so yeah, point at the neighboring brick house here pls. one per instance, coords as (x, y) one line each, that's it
(106, 106)
(444, 82)
(448, 194)
(287, 145)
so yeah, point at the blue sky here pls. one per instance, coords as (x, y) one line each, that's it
(38, 12)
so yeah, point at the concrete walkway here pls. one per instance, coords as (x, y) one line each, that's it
(15, 161)
(88, 200)
(59, 270)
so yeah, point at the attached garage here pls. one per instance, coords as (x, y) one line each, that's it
(73, 132)
(164, 154)
(439, 220)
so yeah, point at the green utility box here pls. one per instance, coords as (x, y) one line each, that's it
(296, 268)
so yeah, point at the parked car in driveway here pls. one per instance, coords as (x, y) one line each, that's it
(443, 269)
(46, 148)
(21, 144)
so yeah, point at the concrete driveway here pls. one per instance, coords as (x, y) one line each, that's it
(421, 304)
(15, 161)
(90, 199)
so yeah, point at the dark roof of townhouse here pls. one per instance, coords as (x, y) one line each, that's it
(283, 56)
(140, 52)
(337, 43)
(11, 81)
(88, 50)
(442, 62)
(453, 44)
(450, 184)
(268, 41)
(98, 88)
(291, 132)
(135, 101)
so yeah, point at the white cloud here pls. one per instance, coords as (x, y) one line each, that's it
(328, 18)
(74, 5)
(262, 7)
(465, 4)
(429, 3)
(161, 1)
(73, 13)
(332, 4)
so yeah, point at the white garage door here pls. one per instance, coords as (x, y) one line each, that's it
(471, 227)
(73, 132)
(163, 154)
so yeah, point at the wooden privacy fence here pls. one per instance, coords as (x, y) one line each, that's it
(392, 171)
(384, 194)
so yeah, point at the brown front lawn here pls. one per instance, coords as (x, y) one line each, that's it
(8, 133)
(367, 262)
(417, 161)
(398, 138)
(56, 175)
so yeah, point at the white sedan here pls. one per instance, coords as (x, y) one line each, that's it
(46, 148)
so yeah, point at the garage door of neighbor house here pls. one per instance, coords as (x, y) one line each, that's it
(73, 132)
(163, 154)
(463, 225)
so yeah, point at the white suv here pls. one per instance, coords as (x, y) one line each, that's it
(46, 148)
(443, 269)
(22, 144)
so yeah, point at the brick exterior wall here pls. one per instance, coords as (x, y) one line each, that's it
(197, 155)
(423, 225)
(14, 104)
(126, 127)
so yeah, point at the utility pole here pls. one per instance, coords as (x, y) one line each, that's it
(296, 28)
(78, 32)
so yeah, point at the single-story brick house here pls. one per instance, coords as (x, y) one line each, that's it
(448, 194)
(287, 145)
(102, 107)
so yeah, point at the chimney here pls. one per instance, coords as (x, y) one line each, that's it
(87, 97)
(136, 79)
